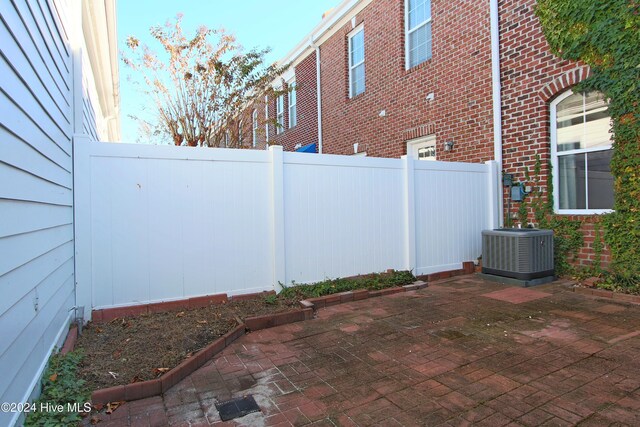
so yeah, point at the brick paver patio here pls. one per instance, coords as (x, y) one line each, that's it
(459, 352)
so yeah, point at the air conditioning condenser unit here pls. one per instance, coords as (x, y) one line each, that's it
(523, 254)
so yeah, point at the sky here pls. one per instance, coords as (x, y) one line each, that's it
(278, 24)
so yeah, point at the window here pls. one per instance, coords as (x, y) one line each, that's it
(356, 62)
(581, 154)
(422, 148)
(417, 23)
(293, 119)
(280, 114)
(254, 136)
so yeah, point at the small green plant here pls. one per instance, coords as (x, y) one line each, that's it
(623, 283)
(271, 299)
(61, 389)
(375, 281)
(567, 242)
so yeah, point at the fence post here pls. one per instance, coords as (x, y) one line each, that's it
(493, 183)
(409, 213)
(82, 224)
(277, 209)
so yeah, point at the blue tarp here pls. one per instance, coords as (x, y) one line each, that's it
(309, 148)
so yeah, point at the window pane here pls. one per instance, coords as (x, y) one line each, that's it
(357, 80)
(597, 121)
(571, 178)
(570, 122)
(583, 122)
(600, 180)
(427, 153)
(420, 45)
(357, 48)
(292, 96)
(292, 116)
(419, 11)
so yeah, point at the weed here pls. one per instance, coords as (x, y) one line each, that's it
(61, 388)
(622, 283)
(271, 299)
(374, 281)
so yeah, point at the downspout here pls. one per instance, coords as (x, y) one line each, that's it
(76, 126)
(497, 100)
(318, 96)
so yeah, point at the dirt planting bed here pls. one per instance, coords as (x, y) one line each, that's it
(131, 349)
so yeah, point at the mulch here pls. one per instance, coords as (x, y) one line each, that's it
(131, 349)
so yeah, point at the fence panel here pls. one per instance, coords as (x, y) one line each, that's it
(343, 216)
(452, 209)
(158, 223)
(165, 226)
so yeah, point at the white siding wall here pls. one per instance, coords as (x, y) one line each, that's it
(158, 223)
(36, 230)
(36, 184)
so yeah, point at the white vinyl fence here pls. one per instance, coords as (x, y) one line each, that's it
(159, 223)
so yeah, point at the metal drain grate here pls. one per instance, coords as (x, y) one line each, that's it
(236, 408)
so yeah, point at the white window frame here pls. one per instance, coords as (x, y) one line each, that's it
(352, 34)
(254, 120)
(407, 32)
(414, 145)
(266, 120)
(292, 100)
(280, 114)
(554, 163)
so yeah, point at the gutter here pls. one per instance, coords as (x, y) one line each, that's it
(324, 27)
(497, 99)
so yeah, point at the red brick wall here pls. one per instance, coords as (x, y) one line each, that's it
(306, 130)
(247, 126)
(459, 75)
(531, 78)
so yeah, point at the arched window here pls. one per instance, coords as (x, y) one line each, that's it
(581, 154)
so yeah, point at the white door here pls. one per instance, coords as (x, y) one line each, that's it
(422, 148)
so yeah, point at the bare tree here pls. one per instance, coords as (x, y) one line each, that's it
(202, 87)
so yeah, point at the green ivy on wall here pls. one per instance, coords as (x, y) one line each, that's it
(606, 36)
(568, 238)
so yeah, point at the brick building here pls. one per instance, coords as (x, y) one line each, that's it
(456, 80)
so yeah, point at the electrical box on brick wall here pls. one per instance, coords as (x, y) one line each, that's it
(516, 193)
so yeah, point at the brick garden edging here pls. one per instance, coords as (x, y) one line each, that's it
(70, 340)
(271, 320)
(150, 388)
(108, 314)
(144, 389)
(342, 297)
(155, 387)
(602, 293)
